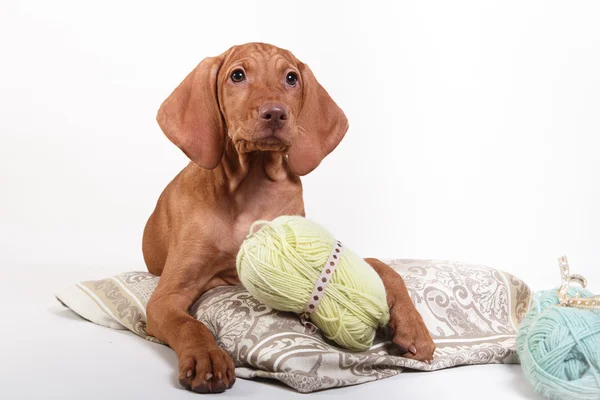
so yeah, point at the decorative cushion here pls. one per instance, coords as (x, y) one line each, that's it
(472, 312)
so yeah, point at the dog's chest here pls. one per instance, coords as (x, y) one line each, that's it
(266, 204)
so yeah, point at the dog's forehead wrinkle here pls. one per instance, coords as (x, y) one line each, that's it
(260, 64)
(259, 51)
(281, 62)
(263, 49)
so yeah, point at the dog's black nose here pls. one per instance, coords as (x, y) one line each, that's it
(275, 114)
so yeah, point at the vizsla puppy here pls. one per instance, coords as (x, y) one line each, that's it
(251, 120)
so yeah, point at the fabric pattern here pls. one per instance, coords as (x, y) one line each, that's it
(472, 313)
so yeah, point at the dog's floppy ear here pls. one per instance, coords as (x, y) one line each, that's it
(322, 125)
(191, 118)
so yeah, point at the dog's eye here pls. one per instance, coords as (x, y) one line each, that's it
(238, 75)
(291, 78)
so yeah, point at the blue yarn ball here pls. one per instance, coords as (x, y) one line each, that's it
(559, 348)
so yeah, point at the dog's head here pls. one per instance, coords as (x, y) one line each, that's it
(261, 98)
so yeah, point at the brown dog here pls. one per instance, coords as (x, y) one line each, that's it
(251, 120)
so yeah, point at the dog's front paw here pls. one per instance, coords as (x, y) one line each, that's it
(408, 331)
(206, 370)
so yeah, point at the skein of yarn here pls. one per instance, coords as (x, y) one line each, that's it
(559, 341)
(281, 262)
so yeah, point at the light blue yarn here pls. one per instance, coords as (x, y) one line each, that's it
(559, 348)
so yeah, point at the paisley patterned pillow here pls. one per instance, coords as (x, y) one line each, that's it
(472, 312)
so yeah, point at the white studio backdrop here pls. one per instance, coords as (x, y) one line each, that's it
(474, 125)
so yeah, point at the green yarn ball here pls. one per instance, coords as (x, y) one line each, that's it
(559, 348)
(280, 263)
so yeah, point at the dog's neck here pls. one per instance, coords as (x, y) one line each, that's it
(237, 167)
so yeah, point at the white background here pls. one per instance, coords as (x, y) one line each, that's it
(473, 128)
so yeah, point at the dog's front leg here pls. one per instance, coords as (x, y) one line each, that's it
(406, 325)
(203, 366)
